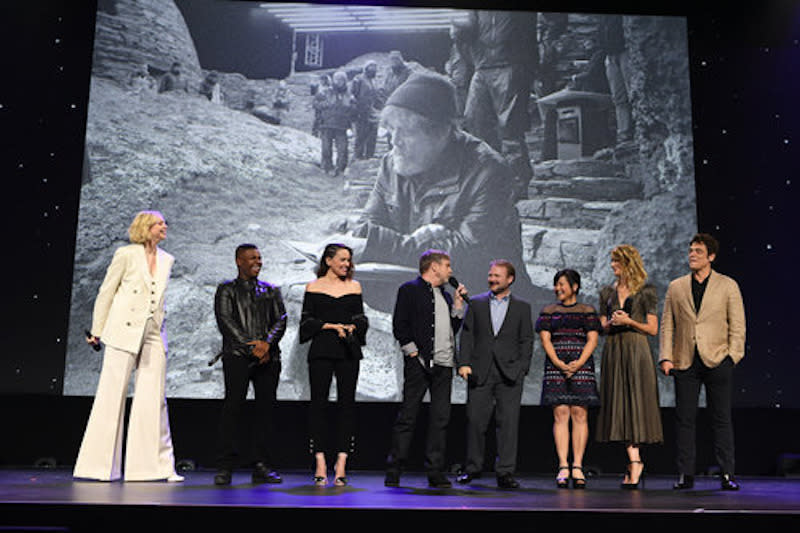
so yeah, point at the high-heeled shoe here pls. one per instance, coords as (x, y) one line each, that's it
(578, 482)
(320, 481)
(633, 486)
(341, 460)
(563, 482)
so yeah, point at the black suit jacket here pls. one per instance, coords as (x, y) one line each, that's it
(512, 347)
(412, 321)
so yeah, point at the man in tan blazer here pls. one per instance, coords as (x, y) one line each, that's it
(702, 339)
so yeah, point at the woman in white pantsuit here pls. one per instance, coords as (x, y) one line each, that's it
(129, 318)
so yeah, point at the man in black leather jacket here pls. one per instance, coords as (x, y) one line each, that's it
(252, 319)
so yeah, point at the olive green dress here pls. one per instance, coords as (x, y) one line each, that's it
(629, 410)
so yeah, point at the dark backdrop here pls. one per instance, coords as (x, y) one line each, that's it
(744, 79)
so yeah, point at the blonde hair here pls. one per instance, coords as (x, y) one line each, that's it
(633, 271)
(139, 230)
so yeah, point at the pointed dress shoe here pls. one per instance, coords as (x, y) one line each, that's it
(465, 478)
(507, 481)
(727, 482)
(437, 480)
(392, 478)
(264, 474)
(685, 481)
(223, 477)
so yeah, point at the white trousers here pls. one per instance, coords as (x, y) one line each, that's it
(148, 453)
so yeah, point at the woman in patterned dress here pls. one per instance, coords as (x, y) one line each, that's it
(569, 332)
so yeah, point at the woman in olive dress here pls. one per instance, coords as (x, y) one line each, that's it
(333, 320)
(629, 410)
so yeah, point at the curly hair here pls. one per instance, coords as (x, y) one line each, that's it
(633, 271)
(139, 230)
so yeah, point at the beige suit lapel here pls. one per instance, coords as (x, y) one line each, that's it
(687, 299)
(141, 260)
(163, 265)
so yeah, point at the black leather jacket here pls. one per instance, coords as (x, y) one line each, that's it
(247, 311)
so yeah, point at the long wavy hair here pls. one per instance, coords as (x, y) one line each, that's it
(633, 272)
(329, 252)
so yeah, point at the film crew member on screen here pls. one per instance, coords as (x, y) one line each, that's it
(211, 89)
(173, 80)
(336, 109)
(397, 74)
(251, 317)
(504, 53)
(128, 317)
(569, 331)
(367, 103)
(333, 320)
(629, 411)
(439, 187)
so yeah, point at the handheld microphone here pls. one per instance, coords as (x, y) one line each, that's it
(454, 283)
(96, 347)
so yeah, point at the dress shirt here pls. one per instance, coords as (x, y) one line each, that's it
(698, 290)
(498, 308)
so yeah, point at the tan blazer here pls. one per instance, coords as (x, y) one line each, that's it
(718, 329)
(128, 296)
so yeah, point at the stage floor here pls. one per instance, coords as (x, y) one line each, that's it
(51, 498)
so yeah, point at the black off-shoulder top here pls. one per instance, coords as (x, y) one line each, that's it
(319, 308)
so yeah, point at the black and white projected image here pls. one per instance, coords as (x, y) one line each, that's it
(214, 114)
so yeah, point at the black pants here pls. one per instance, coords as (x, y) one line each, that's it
(238, 375)
(719, 386)
(439, 381)
(502, 396)
(366, 138)
(320, 375)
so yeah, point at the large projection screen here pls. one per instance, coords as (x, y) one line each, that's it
(240, 163)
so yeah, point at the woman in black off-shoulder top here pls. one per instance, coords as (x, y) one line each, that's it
(333, 320)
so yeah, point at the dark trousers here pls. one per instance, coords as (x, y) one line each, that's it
(320, 375)
(719, 386)
(503, 397)
(439, 381)
(238, 375)
(366, 138)
(330, 137)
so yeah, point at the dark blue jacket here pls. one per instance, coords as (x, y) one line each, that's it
(413, 317)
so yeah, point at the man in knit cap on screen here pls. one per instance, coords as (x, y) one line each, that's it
(440, 187)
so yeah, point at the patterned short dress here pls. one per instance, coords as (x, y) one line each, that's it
(568, 326)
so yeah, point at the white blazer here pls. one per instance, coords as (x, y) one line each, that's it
(128, 296)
